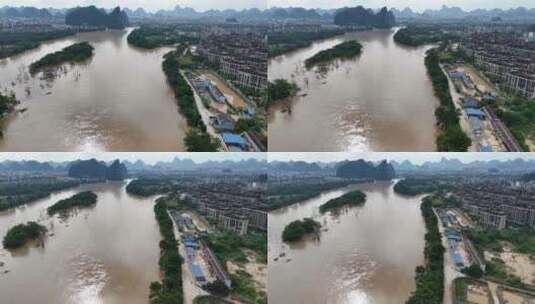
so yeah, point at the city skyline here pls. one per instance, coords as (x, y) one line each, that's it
(152, 6)
(417, 5)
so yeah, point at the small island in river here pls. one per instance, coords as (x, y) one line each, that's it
(296, 230)
(82, 199)
(75, 53)
(18, 235)
(344, 50)
(353, 198)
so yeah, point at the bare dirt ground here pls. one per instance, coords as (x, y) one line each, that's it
(232, 96)
(257, 270)
(478, 294)
(518, 264)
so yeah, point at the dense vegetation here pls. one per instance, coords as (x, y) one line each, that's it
(296, 230)
(451, 138)
(284, 42)
(75, 53)
(281, 89)
(344, 50)
(13, 43)
(146, 186)
(416, 186)
(244, 288)
(353, 198)
(209, 300)
(229, 246)
(420, 35)
(362, 169)
(197, 140)
(518, 114)
(7, 103)
(521, 240)
(170, 289)
(14, 194)
(281, 195)
(360, 16)
(430, 278)
(92, 16)
(18, 235)
(153, 37)
(82, 199)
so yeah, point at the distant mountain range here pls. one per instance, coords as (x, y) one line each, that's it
(281, 13)
(444, 165)
(176, 164)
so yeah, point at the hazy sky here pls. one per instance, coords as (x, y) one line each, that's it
(150, 158)
(150, 5)
(414, 4)
(416, 158)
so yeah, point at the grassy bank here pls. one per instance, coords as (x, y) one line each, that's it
(19, 193)
(281, 89)
(344, 50)
(82, 199)
(18, 235)
(430, 277)
(77, 52)
(353, 198)
(281, 195)
(14, 43)
(451, 137)
(285, 42)
(296, 230)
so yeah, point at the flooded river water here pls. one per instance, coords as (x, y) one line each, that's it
(365, 255)
(380, 101)
(117, 101)
(107, 254)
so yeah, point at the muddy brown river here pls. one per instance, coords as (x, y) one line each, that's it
(365, 255)
(117, 101)
(107, 254)
(380, 101)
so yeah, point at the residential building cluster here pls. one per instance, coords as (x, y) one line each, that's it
(234, 206)
(239, 57)
(498, 204)
(507, 57)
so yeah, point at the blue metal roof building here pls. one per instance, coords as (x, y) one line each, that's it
(234, 139)
(197, 273)
(486, 149)
(458, 260)
(475, 113)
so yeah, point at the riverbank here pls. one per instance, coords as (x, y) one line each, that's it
(430, 277)
(452, 138)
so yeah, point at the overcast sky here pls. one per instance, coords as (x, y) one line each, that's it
(150, 158)
(416, 158)
(150, 5)
(414, 4)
